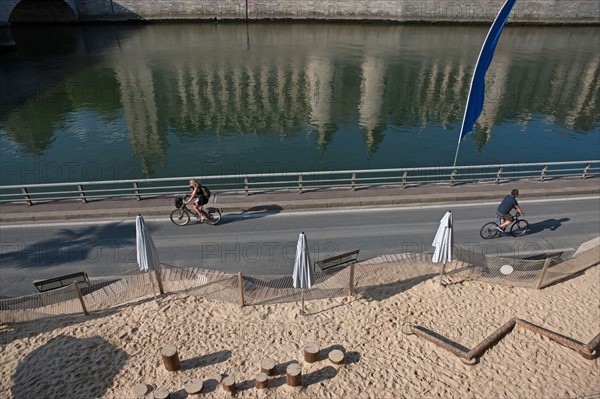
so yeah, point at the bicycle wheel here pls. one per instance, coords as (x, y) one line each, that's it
(489, 230)
(180, 217)
(519, 228)
(214, 216)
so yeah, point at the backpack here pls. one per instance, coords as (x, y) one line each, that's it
(205, 191)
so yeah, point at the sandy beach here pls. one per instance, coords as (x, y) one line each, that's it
(105, 354)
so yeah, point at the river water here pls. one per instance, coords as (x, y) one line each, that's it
(132, 101)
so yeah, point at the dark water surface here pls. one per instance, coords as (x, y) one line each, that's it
(120, 102)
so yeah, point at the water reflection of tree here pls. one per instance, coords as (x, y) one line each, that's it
(35, 124)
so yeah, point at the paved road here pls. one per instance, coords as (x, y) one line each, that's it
(265, 243)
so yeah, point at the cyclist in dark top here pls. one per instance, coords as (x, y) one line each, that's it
(508, 203)
(197, 195)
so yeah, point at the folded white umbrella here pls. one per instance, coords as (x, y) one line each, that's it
(147, 255)
(302, 275)
(443, 242)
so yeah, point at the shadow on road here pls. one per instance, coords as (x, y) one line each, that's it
(254, 212)
(73, 245)
(548, 224)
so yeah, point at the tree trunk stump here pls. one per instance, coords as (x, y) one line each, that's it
(193, 387)
(267, 366)
(140, 390)
(293, 375)
(170, 358)
(262, 381)
(312, 352)
(162, 393)
(228, 384)
(337, 356)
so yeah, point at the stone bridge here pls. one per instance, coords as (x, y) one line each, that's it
(34, 11)
(38, 11)
(553, 12)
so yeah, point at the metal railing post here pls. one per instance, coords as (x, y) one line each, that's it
(453, 177)
(136, 189)
(498, 176)
(353, 181)
(404, 177)
(246, 185)
(299, 184)
(82, 194)
(586, 171)
(544, 172)
(27, 197)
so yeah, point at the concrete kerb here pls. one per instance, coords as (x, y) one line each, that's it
(291, 201)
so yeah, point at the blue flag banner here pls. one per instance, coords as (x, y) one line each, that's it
(477, 90)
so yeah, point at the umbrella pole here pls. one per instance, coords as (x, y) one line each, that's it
(153, 290)
(442, 274)
(302, 306)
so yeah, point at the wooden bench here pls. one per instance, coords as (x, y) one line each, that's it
(62, 281)
(337, 260)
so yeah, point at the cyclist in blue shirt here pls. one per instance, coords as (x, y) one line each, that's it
(508, 203)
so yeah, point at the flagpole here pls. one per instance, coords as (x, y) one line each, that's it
(495, 29)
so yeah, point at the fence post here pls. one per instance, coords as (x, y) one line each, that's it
(137, 191)
(404, 177)
(27, 197)
(586, 171)
(159, 280)
(299, 184)
(85, 311)
(241, 285)
(353, 181)
(547, 264)
(544, 172)
(246, 185)
(498, 176)
(351, 284)
(82, 194)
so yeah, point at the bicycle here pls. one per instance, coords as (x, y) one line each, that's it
(492, 229)
(182, 215)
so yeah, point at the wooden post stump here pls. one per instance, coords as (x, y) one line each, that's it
(162, 393)
(170, 358)
(228, 384)
(312, 352)
(217, 377)
(267, 366)
(193, 387)
(293, 375)
(337, 356)
(140, 390)
(262, 381)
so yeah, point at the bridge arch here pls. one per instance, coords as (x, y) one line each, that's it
(42, 11)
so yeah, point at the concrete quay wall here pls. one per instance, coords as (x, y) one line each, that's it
(553, 12)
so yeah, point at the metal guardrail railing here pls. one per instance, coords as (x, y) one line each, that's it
(299, 181)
